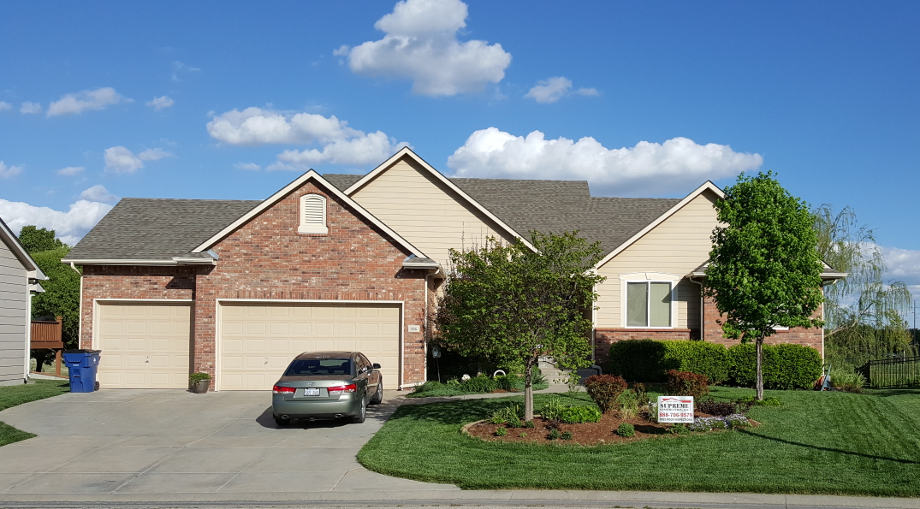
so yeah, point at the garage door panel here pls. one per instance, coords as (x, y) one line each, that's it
(255, 360)
(144, 344)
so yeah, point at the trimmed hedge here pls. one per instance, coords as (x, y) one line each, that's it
(648, 360)
(785, 366)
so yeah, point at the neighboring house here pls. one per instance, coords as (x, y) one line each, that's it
(19, 279)
(237, 288)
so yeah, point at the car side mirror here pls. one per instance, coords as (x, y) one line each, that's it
(376, 366)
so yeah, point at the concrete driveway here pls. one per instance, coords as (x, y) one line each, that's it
(138, 444)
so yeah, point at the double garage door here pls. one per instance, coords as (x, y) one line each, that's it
(148, 345)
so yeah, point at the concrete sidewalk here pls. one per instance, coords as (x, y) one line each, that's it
(169, 448)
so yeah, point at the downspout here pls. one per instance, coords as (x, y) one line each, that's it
(26, 364)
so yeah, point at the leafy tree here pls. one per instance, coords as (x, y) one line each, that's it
(62, 289)
(764, 270)
(513, 305)
(864, 314)
(39, 239)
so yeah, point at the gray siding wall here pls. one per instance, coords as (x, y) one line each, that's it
(14, 317)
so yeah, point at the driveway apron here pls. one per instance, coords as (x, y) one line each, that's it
(137, 443)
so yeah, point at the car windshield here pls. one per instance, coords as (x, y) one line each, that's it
(319, 367)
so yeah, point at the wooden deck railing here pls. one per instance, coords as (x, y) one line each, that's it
(48, 335)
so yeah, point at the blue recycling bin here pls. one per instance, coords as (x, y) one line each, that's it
(82, 366)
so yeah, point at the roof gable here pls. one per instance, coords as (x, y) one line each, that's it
(406, 152)
(299, 182)
(708, 186)
(19, 251)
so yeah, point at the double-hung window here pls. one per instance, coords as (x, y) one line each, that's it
(648, 304)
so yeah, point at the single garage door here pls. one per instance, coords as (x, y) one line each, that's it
(144, 345)
(259, 340)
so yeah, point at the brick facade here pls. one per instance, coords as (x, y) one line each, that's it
(603, 338)
(267, 259)
(712, 331)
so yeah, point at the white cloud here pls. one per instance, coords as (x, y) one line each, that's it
(153, 154)
(337, 142)
(247, 166)
(159, 103)
(5, 106)
(71, 170)
(121, 160)
(421, 45)
(255, 126)
(648, 169)
(79, 102)
(9, 171)
(98, 193)
(342, 51)
(362, 150)
(903, 265)
(30, 108)
(69, 226)
(555, 88)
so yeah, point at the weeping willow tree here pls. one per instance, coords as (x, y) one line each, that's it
(864, 316)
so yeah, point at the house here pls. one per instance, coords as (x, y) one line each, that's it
(19, 279)
(237, 288)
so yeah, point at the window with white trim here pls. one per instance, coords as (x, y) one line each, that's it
(648, 304)
(313, 214)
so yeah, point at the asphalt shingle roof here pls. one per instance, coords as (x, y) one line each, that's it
(155, 229)
(140, 228)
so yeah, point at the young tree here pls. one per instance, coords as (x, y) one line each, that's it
(62, 289)
(864, 315)
(764, 270)
(513, 305)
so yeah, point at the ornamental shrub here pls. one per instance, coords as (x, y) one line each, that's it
(500, 432)
(712, 407)
(684, 383)
(785, 366)
(511, 415)
(648, 360)
(626, 429)
(579, 414)
(481, 383)
(566, 435)
(552, 409)
(604, 390)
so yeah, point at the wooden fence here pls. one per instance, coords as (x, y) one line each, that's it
(48, 335)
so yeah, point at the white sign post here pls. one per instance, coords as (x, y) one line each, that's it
(675, 409)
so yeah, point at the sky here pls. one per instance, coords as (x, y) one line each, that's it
(233, 100)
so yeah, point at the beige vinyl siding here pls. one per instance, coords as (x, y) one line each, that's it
(425, 212)
(14, 315)
(677, 246)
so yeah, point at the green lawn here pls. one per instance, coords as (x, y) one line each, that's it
(816, 442)
(13, 395)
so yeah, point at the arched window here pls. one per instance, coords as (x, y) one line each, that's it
(313, 214)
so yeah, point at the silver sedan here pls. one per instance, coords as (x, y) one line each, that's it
(327, 385)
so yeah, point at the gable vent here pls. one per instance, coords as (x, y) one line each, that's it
(313, 214)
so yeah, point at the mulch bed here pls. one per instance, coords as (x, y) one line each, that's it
(589, 433)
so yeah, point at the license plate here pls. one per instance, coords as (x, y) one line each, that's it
(311, 391)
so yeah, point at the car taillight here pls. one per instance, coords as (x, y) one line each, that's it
(282, 390)
(342, 389)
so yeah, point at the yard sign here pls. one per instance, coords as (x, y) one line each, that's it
(674, 409)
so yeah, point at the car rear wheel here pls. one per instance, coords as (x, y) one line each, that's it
(281, 421)
(362, 413)
(378, 396)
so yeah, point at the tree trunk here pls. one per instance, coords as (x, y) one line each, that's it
(528, 391)
(759, 384)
